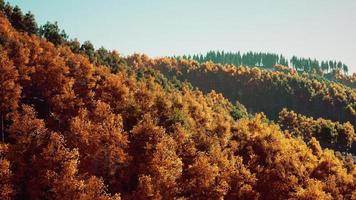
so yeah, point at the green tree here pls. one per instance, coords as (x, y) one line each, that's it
(53, 33)
(30, 24)
(345, 68)
(88, 48)
(2, 4)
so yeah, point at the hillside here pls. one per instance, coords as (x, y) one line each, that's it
(262, 90)
(108, 127)
(327, 70)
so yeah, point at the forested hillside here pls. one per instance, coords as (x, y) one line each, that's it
(269, 60)
(333, 135)
(262, 90)
(79, 123)
(328, 69)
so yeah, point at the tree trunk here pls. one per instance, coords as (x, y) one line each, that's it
(2, 128)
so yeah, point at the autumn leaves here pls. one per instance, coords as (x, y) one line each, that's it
(77, 131)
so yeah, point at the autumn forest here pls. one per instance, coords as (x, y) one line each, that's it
(85, 123)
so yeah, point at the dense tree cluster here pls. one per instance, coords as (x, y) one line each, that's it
(263, 90)
(101, 56)
(308, 65)
(53, 33)
(337, 76)
(264, 60)
(269, 60)
(19, 20)
(330, 134)
(74, 130)
(27, 23)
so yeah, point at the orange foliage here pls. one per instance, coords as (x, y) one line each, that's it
(93, 134)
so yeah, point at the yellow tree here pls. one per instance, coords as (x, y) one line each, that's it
(64, 182)
(155, 163)
(44, 168)
(101, 141)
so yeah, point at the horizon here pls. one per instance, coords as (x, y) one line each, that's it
(324, 30)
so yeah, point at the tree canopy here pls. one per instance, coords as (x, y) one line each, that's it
(77, 129)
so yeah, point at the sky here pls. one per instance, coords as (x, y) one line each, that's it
(322, 29)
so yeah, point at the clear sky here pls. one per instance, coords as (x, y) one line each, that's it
(322, 29)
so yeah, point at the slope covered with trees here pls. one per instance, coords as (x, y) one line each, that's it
(269, 60)
(74, 130)
(262, 90)
(328, 70)
(333, 135)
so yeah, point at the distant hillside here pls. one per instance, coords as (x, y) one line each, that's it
(328, 69)
(263, 90)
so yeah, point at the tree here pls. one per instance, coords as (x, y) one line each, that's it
(345, 68)
(29, 23)
(88, 48)
(53, 166)
(325, 66)
(203, 175)
(52, 33)
(100, 139)
(6, 188)
(157, 165)
(2, 5)
(312, 191)
(74, 45)
(65, 182)
(21, 22)
(17, 18)
(10, 90)
(331, 134)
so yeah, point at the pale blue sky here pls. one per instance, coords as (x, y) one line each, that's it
(322, 29)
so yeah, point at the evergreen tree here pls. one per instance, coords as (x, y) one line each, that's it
(345, 68)
(2, 5)
(53, 33)
(88, 48)
(30, 24)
